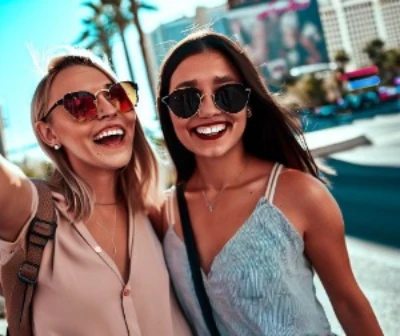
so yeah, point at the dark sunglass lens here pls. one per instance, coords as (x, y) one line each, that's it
(80, 105)
(125, 95)
(231, 98)
(185, 102)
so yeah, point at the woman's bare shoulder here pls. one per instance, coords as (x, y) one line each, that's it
(311, 196)
(300, 182)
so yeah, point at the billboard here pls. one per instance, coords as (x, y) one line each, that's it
(279, 35)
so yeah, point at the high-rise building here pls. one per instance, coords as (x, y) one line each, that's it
(347, 25)
(350, 24)
(168, 34)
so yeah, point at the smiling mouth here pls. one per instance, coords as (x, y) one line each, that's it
(210, 132)
(110, 137)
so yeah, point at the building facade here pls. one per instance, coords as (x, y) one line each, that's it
(347, 25)
(350, 24)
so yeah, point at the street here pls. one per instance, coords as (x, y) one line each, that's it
(377, 269)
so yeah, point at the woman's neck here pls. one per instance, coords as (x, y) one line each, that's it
(103, 185)
(217, 173)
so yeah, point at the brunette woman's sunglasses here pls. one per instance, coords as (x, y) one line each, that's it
(82, 105)
(185, 103)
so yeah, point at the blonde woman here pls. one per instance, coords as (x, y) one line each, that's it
(104, 273)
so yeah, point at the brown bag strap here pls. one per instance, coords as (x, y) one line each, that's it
(20, 274)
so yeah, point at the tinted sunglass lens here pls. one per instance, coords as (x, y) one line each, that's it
(125, 95)
(231, 98)
(81, 106)
(184, 103)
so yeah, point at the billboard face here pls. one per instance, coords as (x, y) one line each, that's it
(279, 35)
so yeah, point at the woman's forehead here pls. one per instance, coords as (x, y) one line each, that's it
(80, 77)
(77, 78)
(210, 66)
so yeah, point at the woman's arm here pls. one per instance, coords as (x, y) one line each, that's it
(325, 246)
(15, 200)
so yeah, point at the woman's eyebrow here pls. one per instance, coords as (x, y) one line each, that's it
(224, 79)
(188, 83)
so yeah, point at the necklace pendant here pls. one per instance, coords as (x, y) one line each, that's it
(210, 208)
(115, 250)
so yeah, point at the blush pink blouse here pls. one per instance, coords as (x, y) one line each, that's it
(81, 291)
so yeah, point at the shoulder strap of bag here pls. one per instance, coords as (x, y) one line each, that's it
(20, 274)
(194, 262)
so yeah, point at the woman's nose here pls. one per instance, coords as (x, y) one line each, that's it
(207, 108)
(104, 107)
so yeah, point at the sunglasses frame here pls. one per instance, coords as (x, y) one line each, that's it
(201, 96)
(60, 102)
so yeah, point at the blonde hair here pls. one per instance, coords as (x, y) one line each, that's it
(137, 182)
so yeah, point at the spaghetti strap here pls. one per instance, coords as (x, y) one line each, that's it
(170, 207)
(269, 185)
(272, 182)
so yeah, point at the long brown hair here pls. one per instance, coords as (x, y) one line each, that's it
(136, 183)
(270, 134)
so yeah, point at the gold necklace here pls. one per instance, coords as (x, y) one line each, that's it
(107, 231)
(210, 204)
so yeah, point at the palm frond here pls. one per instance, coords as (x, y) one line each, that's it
(147, 6)
(96, 8)
(84, 35)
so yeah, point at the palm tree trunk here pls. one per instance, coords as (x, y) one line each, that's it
(108, 53)
(2, 148)
(127, 57)
(145, 54)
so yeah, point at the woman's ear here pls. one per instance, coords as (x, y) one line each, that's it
(47, 133)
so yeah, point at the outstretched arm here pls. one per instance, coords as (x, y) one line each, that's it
(325, 247)
(15, 200)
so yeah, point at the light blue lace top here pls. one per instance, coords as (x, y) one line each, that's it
(261, 282)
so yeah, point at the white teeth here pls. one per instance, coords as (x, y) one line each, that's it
(210, 130)
(109, 133)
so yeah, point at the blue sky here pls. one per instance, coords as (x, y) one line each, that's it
(45, 24)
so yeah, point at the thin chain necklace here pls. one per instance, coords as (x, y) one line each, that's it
(210, 204)
(107, 231)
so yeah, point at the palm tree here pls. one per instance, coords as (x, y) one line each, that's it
(375, 51)
(342, 59)
(97, 35)
(393, 60)
(390, 66)
(118, 16)
(134, 7)
(315, 90)
(108, 21)
(111, 18)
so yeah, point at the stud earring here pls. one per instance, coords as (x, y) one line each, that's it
(249, 113)
(57, 147)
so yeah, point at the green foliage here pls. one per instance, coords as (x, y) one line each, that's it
(309, 91)
(375, 51)
(98, 32)
(108, 21)
(341, 59)
(388, 61)
(314, 88)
